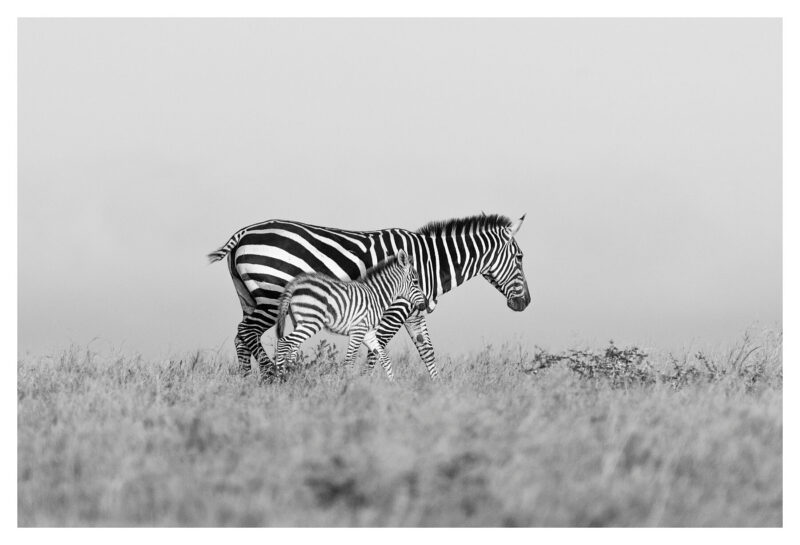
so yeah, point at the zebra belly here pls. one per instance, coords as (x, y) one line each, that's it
(266, 270)
(345, 326)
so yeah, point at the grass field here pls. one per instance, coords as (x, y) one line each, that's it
(605, 437)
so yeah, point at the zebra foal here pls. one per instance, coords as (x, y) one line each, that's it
(353, 308)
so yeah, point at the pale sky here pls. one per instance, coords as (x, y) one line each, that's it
(646, 154)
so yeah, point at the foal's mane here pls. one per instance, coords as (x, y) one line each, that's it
(377, 269)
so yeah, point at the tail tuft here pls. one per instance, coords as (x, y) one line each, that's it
(284, 310)
(222, 251)
(216, 255)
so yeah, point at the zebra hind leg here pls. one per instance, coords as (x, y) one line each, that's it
(286, 348)
(285, 354)
(243, 355)
(356, 337)
(250, 331)
(267, 368)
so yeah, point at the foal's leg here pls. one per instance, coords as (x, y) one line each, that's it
(286, 347)
(356, 338)
(371, 340)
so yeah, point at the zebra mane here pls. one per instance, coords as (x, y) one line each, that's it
(377, 269)
(477, 222)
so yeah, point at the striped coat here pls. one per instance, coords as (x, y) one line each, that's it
(263, 258)
(315, 301)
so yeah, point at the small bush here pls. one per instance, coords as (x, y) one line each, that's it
(746, 363)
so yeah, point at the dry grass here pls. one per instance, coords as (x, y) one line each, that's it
(584, 438)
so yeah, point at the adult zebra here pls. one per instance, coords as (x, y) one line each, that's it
(264, 257)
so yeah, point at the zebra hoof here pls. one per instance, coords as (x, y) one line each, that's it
(273, 375)
(270, 378)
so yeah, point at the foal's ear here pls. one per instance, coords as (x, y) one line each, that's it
(402, 258)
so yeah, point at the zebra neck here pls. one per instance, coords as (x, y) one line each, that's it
(384, 285)
(444, 261)
(451, 260)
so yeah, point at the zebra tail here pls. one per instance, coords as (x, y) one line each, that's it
(284, 311)
(224, 250)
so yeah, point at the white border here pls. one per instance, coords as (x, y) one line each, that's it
(362, 8)
(399, 8)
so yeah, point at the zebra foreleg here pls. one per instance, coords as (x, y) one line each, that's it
(417, 328)
(392, 319)
(371, 340)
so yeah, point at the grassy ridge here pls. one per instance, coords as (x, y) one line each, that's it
(506, 438)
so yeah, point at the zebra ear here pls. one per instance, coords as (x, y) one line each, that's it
(402, 258)
(515, 227)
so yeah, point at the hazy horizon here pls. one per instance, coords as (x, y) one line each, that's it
(646, 154)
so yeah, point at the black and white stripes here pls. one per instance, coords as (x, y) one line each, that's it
(315, 301)
(263, 258)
